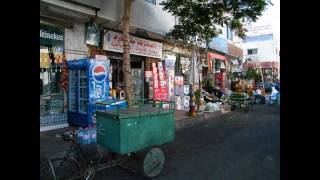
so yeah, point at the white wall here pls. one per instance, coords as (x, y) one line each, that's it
(75, 46)
(144, 15)
(266, 50)
(151, 17)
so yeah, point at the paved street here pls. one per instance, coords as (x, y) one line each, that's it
(235, 146)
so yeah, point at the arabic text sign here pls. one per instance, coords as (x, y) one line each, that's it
(113, 41)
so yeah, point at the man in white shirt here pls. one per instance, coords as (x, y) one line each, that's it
(258, 95)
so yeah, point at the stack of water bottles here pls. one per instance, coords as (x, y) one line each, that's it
(87, 135)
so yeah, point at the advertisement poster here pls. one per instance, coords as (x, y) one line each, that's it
(113, 41)
(178, 80)
(93, 34)
(161, 94)
(160, 87)
(179, 90)
(178, 102)
(186, 89)
(186, 101)
(170, 61)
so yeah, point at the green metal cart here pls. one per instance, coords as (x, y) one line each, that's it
(140, 130)
(240, 100)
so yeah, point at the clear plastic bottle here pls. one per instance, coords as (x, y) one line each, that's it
(86, 136)
(94, 135)
(80, 136)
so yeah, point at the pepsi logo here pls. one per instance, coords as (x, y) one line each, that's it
(99, 73)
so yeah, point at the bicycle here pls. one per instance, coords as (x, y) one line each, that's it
(74, 165)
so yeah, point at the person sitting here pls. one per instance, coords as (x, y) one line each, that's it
(217, 92)
(274, 96)
(257, 95)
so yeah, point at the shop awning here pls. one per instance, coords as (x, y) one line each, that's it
(216, 56)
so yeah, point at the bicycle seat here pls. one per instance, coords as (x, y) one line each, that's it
(67, 136)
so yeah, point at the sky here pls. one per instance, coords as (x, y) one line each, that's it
(271, 16)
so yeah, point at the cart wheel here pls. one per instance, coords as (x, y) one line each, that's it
(151, 162)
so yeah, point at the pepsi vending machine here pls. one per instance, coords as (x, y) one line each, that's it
(88, 83)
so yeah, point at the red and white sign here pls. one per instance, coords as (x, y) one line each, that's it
(160, 94)
(113, 41)
(160, 88)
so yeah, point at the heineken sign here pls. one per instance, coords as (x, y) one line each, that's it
(50, 35)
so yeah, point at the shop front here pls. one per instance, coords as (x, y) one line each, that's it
(269, 69)
(52, 102)
(217, 68)
(143, 55)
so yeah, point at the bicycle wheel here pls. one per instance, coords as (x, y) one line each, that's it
(60, 169)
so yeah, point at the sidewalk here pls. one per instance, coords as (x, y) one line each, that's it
(52, 144)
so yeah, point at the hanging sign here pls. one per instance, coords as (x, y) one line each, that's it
(52, 36)
(113, 41)
(93, 34)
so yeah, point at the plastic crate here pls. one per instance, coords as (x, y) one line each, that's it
(111, 105)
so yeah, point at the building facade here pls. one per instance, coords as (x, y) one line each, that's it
(224, 50)
(261, 51)
(93, 27)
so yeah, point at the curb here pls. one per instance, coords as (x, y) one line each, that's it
(189, 122)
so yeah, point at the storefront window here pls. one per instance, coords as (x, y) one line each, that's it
(54, 76)
(44, 82)
(217, 66)
(83, 91)
(72, 89)
(51, 93)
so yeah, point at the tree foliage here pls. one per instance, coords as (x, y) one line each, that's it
(202, 18)
(253, 74)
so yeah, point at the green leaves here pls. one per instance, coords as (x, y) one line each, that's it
(200, 18)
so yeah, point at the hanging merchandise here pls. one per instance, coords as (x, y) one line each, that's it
(44, 57)
(58, 54)
(64, 78)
